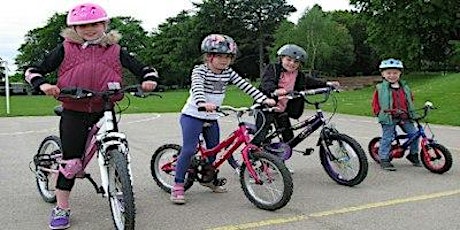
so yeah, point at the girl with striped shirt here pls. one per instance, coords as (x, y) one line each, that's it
(209, 82)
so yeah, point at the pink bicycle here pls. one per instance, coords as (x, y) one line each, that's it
(264, 178)
(111, 147)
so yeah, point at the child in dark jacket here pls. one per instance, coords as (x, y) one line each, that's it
(278, 79)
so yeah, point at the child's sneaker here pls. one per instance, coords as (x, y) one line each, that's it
(60, 218)
(387, 165)
(214, 188)
(413, 158)
(178, 194)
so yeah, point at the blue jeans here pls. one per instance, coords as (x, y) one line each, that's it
(388, 135)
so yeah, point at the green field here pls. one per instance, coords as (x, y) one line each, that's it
(441, 90)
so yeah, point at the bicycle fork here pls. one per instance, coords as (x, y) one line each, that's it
(113, 140)
(246, 159)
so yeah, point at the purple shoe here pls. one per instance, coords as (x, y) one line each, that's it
(60, 218)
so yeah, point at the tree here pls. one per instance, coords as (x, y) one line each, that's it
(262, 18)
(366, 60)
(328, 44)
(419, 32)
(250, 22)
(175, 48)
(40, 41)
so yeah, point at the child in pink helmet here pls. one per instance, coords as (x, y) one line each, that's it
(88, 58)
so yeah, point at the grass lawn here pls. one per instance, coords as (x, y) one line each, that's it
(441, 90)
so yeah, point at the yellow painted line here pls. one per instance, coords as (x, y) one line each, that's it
(298, 218)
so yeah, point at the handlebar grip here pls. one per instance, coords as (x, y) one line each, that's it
(203, 109)
(317, 91)
(69, 91)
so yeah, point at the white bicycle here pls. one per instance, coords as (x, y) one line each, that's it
(111, 147)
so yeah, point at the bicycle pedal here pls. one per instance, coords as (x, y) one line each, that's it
(220, 181)
(308, 151)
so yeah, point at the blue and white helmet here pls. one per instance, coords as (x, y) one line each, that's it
(391, 64)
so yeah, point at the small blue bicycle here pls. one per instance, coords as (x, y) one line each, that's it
(434, 156)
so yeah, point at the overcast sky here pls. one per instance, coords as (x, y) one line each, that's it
(19, 16)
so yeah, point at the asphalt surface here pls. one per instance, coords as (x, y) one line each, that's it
(410, 198)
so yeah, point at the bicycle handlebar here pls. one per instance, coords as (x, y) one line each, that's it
(81, 93)
(326, 91)
(240, 110)
(426, 107)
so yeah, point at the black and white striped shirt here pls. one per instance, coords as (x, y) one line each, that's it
(209, 87)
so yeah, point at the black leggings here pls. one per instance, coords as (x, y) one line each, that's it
(281, 120)
(73, 130)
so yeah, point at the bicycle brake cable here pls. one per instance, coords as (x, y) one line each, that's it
(334, 111)
(120, 110)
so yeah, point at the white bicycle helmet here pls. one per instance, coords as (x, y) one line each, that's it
(391, 64)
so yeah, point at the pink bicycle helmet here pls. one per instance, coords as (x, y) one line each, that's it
(86, 13)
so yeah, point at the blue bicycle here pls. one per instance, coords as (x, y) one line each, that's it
(434, 156)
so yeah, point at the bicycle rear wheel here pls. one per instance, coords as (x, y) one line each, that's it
(343, 159)
(49, 151)
(120, 191)
(373, 148)
(163, 167)
(437, 159)
(276, 187)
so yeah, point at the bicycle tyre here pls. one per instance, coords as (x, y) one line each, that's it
(164, 179)
(354, 148)
(46, 182)
(430, 163)
(259, 161)
(122, 205)
(373, 148)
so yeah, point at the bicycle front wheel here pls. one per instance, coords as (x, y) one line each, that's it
(436, 158)
(120, 191)
(343, 159)
(49, 152)
(275, 188)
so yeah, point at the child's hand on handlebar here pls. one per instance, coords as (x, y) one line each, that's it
(49, 89)
(149, 85)
(280, 92)
(269, 102)
(210, 107)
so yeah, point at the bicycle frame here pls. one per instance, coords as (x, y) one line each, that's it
(102, 137)
(232, 143)
(311, 124)
(409, 139)
(236, 139)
